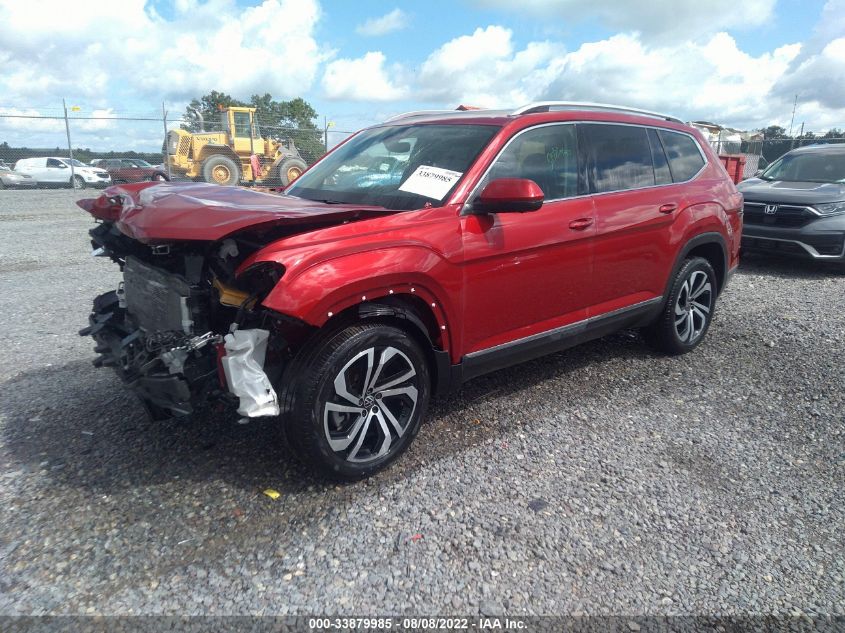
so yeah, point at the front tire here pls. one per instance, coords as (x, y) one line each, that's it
(290, 169)
(358, 400)
(78, 182)
(688, 312)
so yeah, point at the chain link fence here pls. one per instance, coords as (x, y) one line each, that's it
(58, 146)
(760, 153)
(54, 147)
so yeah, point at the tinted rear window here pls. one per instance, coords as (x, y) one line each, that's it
(685, 160)
(662, 175)
(619, 157)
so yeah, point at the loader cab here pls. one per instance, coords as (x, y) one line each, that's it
(243, 131)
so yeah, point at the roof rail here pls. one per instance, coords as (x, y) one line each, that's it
(416, 113)
(547, 106)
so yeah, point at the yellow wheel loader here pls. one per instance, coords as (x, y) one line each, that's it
(234, 154)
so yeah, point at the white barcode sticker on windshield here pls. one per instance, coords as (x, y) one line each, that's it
(431, 182)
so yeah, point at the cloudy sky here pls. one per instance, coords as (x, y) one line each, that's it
(739, 63)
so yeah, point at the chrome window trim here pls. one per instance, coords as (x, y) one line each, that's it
(577, 325)
(466, 207)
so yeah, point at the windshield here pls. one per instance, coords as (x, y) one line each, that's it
(139, 163)
(808, 167)
(396, 167)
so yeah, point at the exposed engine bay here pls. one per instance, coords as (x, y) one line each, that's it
(168, 327)
(182, 329)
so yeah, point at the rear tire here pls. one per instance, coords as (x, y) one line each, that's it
(290, 169)
(357, 402)
(221, 170)
(688, 312)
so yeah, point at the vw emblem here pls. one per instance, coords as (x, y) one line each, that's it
(771, 209)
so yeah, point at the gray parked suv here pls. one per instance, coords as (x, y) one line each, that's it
(797, 205)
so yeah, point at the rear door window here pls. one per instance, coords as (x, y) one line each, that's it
(618, 157)
(685, 159)
(662, 175)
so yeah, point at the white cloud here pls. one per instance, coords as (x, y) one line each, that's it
(100, 48)
(388, 23)
(817, 74)
(712, 79)
(362, 79)
(483, 69)
(673, 19)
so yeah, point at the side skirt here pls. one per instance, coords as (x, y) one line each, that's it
(537, 345)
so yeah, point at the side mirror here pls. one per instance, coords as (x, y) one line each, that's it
(509, 195)
(62, 166)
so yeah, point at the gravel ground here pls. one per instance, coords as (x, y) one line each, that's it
(603, 480)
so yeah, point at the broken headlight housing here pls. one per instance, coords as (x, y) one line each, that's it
(260, 278)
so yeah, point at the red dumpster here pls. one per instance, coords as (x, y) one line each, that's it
(735, 165)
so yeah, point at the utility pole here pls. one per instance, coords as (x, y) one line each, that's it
(801, 134)
(69, 146)
(326, 125)
(166, 144)
(792, 120)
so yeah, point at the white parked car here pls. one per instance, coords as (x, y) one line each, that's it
(57, 172)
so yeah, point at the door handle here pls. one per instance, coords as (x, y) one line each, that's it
(580, 224)
(668, 208)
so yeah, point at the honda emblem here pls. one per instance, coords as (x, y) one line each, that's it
(771, 209)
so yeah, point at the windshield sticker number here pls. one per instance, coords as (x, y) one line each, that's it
(431, 182)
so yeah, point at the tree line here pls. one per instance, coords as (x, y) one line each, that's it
(776, 140)
(11, 154)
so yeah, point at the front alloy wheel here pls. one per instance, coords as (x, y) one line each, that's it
(372, 404)
(358, 397)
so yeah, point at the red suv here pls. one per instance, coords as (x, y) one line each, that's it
(130, 170)
(418, 254)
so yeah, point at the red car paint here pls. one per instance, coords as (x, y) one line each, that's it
(166, 212)
(127, 170)
(486, 279)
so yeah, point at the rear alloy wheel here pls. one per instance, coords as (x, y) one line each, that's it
(688, 312)
(221, 170)
(78, 182)
(359, 401)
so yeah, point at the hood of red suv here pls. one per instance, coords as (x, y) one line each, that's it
(163, 212)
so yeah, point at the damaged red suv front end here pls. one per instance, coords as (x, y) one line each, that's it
(185, 326)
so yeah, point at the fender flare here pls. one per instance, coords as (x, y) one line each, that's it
(711, 237)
